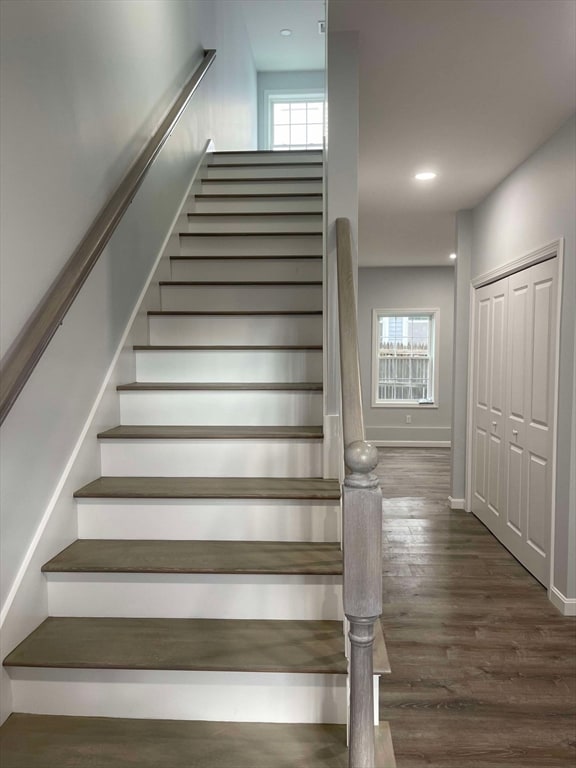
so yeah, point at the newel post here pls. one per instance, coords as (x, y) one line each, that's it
(362, 543)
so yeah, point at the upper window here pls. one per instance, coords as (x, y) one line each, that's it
(296, 123)
(403, 357)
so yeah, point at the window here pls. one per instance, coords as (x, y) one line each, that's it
(296, 122)
(404, 373)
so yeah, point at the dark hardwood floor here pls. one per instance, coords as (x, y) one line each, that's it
(483, 666)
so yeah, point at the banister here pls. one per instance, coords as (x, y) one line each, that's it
(352, 418)
(28, 348)
(362, 518)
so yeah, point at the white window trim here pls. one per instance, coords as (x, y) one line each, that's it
(434, 360)
(271, 97)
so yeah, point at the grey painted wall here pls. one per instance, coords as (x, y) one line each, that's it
(340, 200)
(284, 82)
(407, 288)
(93, 95)
(533, 206)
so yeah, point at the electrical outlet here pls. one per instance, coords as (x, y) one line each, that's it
(408, 419)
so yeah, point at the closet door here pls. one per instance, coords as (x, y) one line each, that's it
(489, 393)
(529, 431)
(515, 361)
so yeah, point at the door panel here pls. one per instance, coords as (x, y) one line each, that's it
(518, 320)
(494, 477)
(536, 533)
(515, 495)
(542, 324)
(489, 403)
(480, 465)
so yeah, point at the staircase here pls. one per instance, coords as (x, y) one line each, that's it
(197, 621)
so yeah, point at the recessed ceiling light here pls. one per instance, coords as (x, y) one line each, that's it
(285, 32)
(425, 175)
(452, 256)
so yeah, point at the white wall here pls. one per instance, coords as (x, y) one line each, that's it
(83, 86)
(303, 82)
(407, 288)
(533, 206)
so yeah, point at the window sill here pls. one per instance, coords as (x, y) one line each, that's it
(405, 406)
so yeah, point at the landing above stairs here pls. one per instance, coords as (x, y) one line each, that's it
(40, 741)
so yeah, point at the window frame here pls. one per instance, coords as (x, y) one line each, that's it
(434, 377)
(275, 97)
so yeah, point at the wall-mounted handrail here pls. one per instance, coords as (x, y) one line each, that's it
(362, 518)
(27, 350)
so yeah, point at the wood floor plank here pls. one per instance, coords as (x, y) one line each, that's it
(483, 666)
(240, 645)
(164, 556)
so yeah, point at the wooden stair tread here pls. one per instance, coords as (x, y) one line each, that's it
(239, 645)
(226, 557)
(228, 347)
(251, 214)
(239, 313)
(298, 164)
(260, 179)
(280, 152)
(210, 488)
(275, 233)
(139, 386)
(381, 661)
(49, 741)
(256, 257)
(256, 283)
(257, 195)
(168, 432)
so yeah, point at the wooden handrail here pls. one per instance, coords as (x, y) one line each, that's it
(27, 350)
(353, 420)
(362, 518)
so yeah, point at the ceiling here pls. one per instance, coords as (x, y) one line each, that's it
(303, 50)
(468, 88)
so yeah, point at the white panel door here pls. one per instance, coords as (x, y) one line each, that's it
(515, 361)
(530, 416)
(488, 477)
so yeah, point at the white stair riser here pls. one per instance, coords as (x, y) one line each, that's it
(238, 330)
(254, 205)
(209, 596)
(258, 269)
(209, 519)
(261, 171)
(266, 158)
(278, 223)
(229, 365)
(247, 245)
(243, 298)
(252, 187)
(221, 408)
(177, 695)
(212, 458)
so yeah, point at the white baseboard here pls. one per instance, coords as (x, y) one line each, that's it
(566, 605)
(411, 443)
(457, 503)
